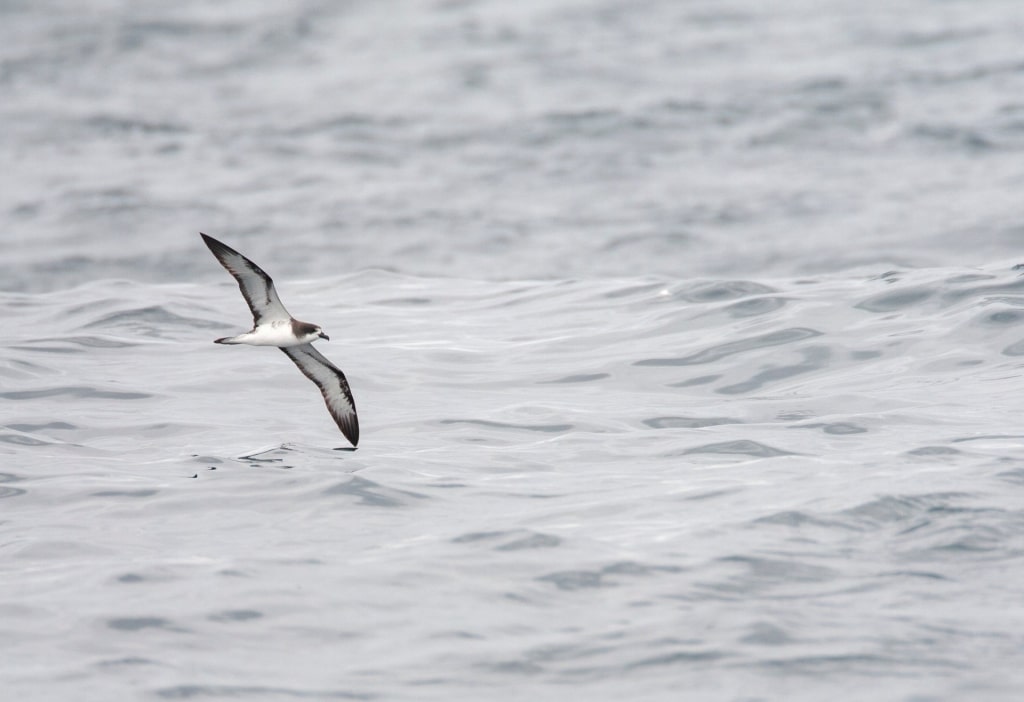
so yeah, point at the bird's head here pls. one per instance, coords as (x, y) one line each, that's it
(308, 332)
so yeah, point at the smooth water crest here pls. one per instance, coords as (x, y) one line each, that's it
(686, 337)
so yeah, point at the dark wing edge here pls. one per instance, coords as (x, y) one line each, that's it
(224, 255)
(329, 378)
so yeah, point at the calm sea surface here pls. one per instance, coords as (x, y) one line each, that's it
(687, 340)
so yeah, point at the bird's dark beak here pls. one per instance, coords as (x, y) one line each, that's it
(324, 336)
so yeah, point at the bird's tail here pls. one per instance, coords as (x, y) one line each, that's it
(228, 340)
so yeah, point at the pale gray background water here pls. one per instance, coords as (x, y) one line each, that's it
(686, 339)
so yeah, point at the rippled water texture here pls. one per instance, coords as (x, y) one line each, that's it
(612, 487)
(686, 340)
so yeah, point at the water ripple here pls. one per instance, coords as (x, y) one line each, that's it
(720, 351)
(79, 391)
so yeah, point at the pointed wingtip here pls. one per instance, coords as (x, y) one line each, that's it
(351, 430)
(220, 250)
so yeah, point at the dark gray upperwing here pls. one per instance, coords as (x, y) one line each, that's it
(333, 386)
(256, 286)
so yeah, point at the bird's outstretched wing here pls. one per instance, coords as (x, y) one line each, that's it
(333, 386)
(256, 286)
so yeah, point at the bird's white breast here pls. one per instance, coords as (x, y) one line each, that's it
(277, 333)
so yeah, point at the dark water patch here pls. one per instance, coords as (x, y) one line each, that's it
(722, 290)
(371, 493)
(513, 667)
(1005, 292)
(781, 571)
(37, 427)
(6, 492)
(38, 348)
(795, 415)
(234, 573)
(28, 367)
(917, 574)
(583, 123)
(893, 509)
(716, 353)
(533, 541)
(742, 447)
(581, 378)
(1016, 476)
(480, 536)
(710, 495)
(189, 692)
(836, 428)
(97, 342)
(644, 239)
(459, 635)
(125, 493)
(404, 301)
(114, 125)
(82, 392)
(895, 300)
(864, 355)
(815, 358)
(934, 451)
(1001, 318)
(21, 440)
(969, 278)
(131, 578)
(1014, 349)
(60, 344)
(515, 540)
(548, 428)
(955, 136)
(588, 579)
(126, 661)
(152, 321)
(988, 437)
(235, 615)
(574, 579)
(843, 428)
(796, 518)
(634, 568)
(756, 306)
(91, 306)
(839, 664)
(699, 380)
(919, 37)
(974, 539)
(688, 422)
(675, 659)
(140, 623)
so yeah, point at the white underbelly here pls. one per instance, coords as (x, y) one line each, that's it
(273, 335)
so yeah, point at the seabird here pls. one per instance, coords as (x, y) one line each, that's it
(273, 326)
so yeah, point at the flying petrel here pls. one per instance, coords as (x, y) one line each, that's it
(273, 326)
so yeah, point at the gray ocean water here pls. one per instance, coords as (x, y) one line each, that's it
(687, 340)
